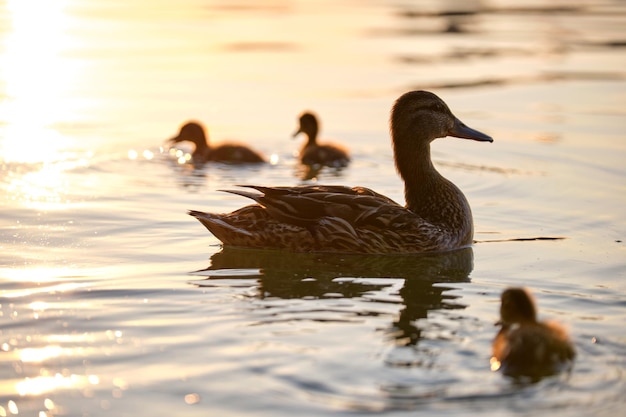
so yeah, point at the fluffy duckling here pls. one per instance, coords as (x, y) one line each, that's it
(231, 153)
(525, 347)
(313, 153)
(318, 218)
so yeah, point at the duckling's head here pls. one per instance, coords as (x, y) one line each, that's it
(517, 306)
(421, 115)
(308, 125)
(191, 132)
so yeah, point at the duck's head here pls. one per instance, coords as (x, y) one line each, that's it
(421, 115)
(191, 132)
(308, 125)
(517, 306)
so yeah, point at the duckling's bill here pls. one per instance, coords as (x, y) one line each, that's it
(175, 139)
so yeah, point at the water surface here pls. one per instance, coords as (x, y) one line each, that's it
(113, 300)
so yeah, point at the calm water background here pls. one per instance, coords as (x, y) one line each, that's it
(114, 302)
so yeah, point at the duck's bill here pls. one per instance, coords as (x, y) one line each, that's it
(296, 133)
(175, 139)
(460, 130)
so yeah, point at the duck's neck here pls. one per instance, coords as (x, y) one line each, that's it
(311, 135)
(430, 195)
(419, 175)
(202, 150)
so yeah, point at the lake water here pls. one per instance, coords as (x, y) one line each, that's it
(113, 301)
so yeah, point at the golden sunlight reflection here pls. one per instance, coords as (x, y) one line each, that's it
(181, 156)
(39, 275)
(44, 289)
(48, 383)
(46, 279)
(147, 154)
(29, 141)
(37, 355)
(37, 79)
(192, 399)
(38, 305)
(43, 189)
(494, 363)
(12, 407)
(46, 186)
(49, 404)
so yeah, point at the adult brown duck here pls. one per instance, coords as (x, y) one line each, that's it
(313, 153)
(227, 152)
(525, 347)
(317, 218)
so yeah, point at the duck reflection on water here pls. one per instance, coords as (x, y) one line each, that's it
(288, 276)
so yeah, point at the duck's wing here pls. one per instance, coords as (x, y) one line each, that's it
(306, 205)
(324, 219)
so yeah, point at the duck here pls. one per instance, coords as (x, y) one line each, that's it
(231, 153)
(341, 219)
(525, 347)
(313, 153)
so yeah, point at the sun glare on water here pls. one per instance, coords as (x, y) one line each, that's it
(36, 78)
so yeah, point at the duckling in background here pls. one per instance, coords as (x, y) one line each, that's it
(525, 347)
(227, 152)
(313, 153)
(318, 218)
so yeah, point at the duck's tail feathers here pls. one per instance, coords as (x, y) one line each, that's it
(217, 224)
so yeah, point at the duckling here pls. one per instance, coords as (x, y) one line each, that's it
(318, 218)
(313, 153)
(232, 153)
(525, 347)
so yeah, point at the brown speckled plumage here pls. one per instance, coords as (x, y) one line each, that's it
(313, 153)
(358, 220)
(525, 347)
(232, 153)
